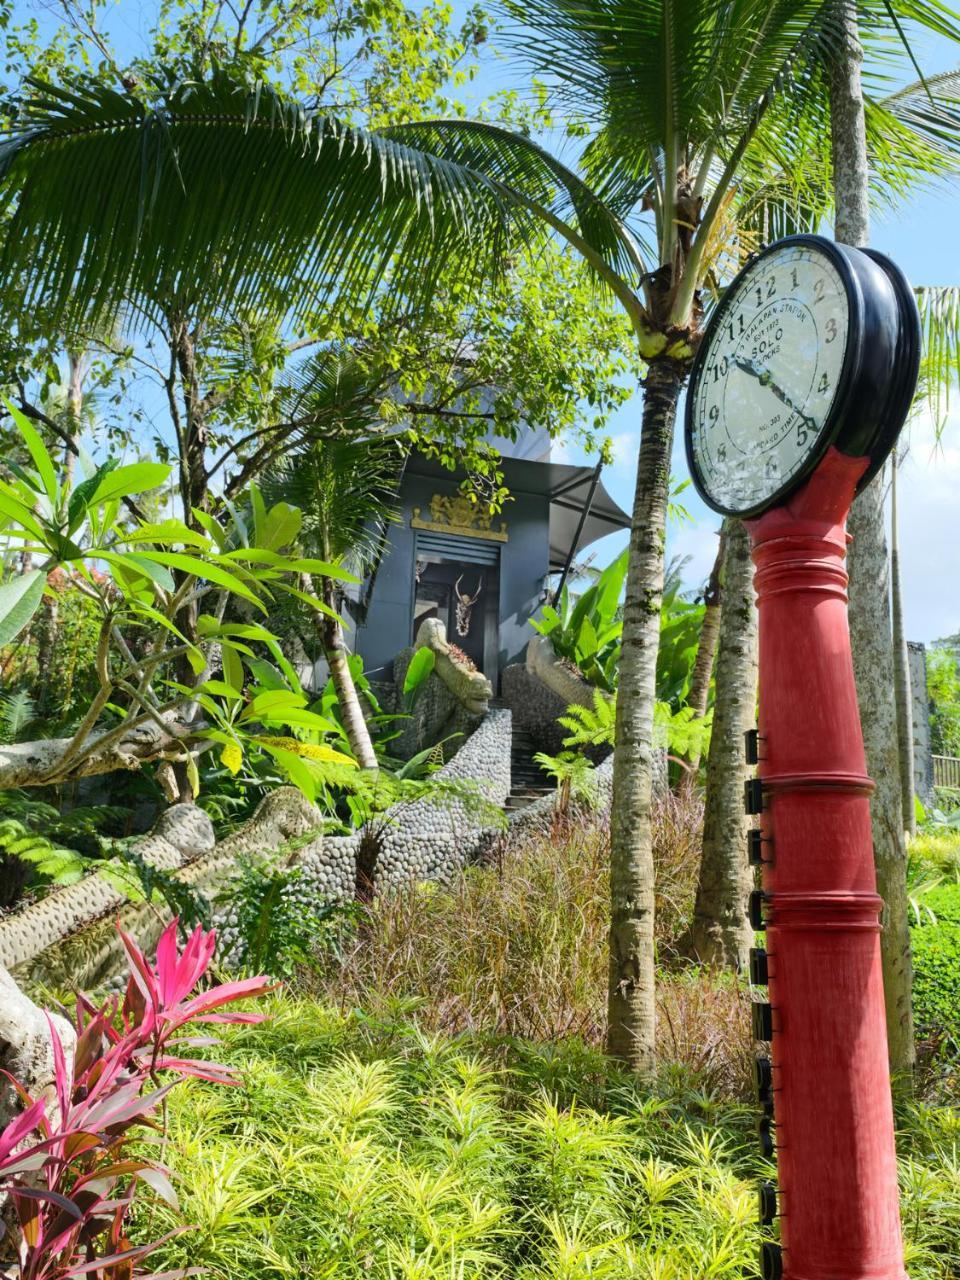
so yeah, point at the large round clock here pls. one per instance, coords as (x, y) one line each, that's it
(814, 344)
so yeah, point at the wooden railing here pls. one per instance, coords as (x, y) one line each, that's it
(946, 771)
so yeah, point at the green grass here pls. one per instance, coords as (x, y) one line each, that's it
(364, 1148)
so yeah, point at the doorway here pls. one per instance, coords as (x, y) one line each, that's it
(465, 596)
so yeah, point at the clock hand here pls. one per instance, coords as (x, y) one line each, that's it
(765, 378)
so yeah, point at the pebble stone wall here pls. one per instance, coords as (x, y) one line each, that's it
(426, 841)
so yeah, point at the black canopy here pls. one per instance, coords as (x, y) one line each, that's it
(578, 501)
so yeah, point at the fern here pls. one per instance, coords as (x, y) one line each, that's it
(17, 710)
(591, 726)
(53, 862)
(574, 775)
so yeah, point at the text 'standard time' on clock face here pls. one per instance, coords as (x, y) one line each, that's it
(769, 376)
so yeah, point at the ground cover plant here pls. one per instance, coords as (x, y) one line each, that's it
(363, 1146)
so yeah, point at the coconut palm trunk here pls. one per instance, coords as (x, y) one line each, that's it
(348, 700)
(720, 933)
(903, 690)
(631, 1031)
(869, 569)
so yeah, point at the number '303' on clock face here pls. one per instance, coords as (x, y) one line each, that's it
(768, 376)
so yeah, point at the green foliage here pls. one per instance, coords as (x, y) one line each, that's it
(18, 711)
(362, 1147)
(681, 732)
(943, 689)
(939, 846)
(280, 927)
(574, 776)
(590, 726)
(586, 631)
(943, 904)
(41, 847)
(145, 882)
(936, 981)
(156, 571)
(418, 672)
(680, 623)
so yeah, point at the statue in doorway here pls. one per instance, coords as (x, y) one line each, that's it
(464, 607)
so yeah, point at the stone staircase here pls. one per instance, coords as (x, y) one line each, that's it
(528, 782)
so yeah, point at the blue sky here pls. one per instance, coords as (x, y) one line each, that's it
(921, 237)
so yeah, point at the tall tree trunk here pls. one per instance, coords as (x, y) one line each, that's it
(720, 933)
(706, 653)
(631, 1026)
(49, 633)
(335, 652)
(192, 434)
(870, 630)
(901, 654)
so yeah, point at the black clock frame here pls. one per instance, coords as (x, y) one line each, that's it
(878, 377)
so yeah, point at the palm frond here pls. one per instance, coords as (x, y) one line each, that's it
(940, 368)
(346, 490)
(221, 191)
(548, 187)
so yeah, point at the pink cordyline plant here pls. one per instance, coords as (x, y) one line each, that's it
(64, 1164)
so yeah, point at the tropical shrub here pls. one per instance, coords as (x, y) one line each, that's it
(363, 1147)
(574, 778)
(936, 981)
(277, 924)
(943, 689)
(680, 731)
(159, 577)
(586, 631)
(70, 1167)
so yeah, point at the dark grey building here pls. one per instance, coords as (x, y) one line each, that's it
(483, 577)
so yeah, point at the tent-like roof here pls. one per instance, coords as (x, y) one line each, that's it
(578, 501)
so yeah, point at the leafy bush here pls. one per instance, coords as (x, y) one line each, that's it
(936, 979)
(362, 1147)
(277, 928)
(586, 632)
(67, 1165)
(943, 903)
(943, 688)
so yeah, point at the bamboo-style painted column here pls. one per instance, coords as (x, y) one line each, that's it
(826, 1087)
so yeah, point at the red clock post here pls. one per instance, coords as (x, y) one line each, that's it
(802, 383)
(828, 1080)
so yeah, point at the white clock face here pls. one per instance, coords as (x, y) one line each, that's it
(769, 376)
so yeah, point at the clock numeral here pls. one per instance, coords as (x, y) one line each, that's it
(795, 279)
(714, 412)
(824, 384)
(720, 369)
(831, 328)
(819, 289)
(771, 286)
(802, 433)
(730, 328)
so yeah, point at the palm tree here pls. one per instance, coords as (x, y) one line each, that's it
(720, 932)
(346, 490)
(870, 631)
(233, 196)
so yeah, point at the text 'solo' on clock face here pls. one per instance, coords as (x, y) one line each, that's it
(767, 379)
